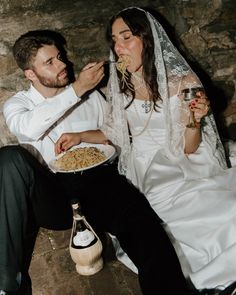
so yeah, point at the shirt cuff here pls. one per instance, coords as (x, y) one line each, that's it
(69, 97)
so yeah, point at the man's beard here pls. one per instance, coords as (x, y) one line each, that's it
(52, 83)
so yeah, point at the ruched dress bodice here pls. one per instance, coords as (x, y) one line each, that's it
(148, 136)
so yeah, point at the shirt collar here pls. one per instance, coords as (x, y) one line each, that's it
(35, 96)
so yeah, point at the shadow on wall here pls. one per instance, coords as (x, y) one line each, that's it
(231, 132)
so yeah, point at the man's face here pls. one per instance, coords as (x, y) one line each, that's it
(50, 71)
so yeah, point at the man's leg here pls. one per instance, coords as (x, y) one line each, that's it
(111, 203)
(29, 198)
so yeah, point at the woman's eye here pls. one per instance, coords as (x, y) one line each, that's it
(127, 37)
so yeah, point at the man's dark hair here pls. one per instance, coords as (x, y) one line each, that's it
(27, 46)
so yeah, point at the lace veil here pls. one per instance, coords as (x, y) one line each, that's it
(173, 74)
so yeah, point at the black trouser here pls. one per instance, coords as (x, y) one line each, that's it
(32, 195)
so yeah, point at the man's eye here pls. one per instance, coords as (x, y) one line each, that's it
(59, 57)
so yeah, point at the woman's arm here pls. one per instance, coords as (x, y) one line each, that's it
(192, 139)
(199, 108)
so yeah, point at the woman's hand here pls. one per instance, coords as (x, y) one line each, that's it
(66, 141)
(199, 106)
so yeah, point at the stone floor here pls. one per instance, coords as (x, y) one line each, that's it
(53, 271)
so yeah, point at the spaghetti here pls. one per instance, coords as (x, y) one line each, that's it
(121, 65)
(80, 158)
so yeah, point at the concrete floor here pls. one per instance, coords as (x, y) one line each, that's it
(53, 272)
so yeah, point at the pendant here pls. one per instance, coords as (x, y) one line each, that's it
(147, 106)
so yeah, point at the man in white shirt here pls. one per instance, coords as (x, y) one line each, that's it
(32, 196)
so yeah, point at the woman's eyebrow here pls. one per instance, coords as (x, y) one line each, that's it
(121, 32)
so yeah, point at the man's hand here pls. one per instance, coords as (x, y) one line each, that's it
(89, 77)
(66, 141)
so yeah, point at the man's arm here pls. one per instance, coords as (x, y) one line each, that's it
(29, 120)
(67, 140)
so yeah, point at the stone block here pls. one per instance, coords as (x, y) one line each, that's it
(53, 271)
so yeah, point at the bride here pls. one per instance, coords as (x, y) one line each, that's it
(170, 148)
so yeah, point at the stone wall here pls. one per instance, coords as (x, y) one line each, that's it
(205, 28)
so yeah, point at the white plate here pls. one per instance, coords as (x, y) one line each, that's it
(108, 150)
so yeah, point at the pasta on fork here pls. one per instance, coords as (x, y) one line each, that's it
(121, 65)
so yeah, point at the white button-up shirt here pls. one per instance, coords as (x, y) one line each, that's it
(40, 122)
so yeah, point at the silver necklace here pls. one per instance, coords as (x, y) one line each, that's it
(146, 105)
(146, 123)
(145, 128)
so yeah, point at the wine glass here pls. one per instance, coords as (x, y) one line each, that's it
(189, 94)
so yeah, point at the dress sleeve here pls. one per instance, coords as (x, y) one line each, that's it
(179, 112)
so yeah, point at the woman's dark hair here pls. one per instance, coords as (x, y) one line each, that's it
(139, 25)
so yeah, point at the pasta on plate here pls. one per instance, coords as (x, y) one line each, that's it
(80, 158)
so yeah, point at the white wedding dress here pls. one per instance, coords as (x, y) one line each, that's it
(195, 197)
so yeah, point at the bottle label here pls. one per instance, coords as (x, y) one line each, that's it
(83, 238)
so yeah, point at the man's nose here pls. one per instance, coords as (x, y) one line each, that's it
(60, 63)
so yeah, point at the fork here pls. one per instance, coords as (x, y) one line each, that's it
(110, 61)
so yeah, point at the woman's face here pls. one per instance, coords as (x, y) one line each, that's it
(125, 43)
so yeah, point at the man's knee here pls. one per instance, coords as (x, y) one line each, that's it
(11, 154)
(15, 174)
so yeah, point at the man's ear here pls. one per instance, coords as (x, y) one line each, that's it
(29, 74)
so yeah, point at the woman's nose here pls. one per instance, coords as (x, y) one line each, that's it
(119, 47)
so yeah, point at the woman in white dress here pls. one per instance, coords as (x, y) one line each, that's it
(171, 149)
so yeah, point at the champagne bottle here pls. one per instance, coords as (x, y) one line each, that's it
(85, 245)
